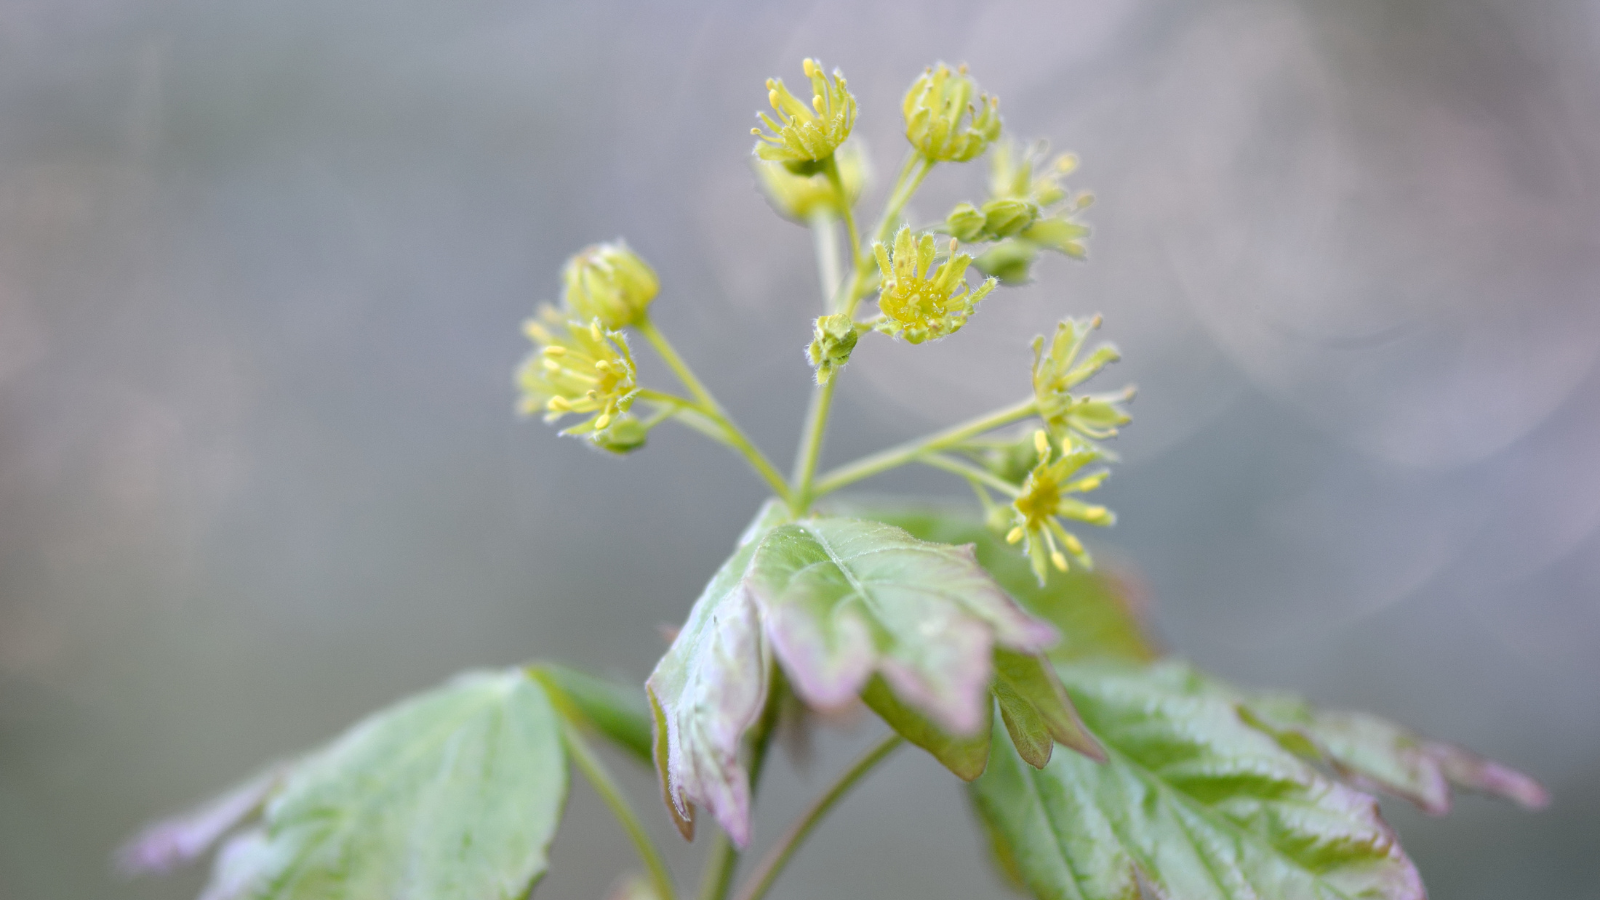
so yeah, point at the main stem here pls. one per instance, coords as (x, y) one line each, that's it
(604, 785)
(805, 464)
(772, 864)
(900, 454)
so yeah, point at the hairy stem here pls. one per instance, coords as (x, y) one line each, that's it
(708, 406)
(604, 785)
(900, 454)
(772, 864)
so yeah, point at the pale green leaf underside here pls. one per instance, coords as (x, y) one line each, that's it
(1193, 800)
(707, 689)
(455, 793)
(847, 598)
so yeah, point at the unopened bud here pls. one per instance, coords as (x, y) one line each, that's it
(965, 222)
(1007, 216)
(608, 283)
(833, 339)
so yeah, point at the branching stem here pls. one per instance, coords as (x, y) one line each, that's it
(900, 454)
(968, 471)
(707, 406)
(772, 864)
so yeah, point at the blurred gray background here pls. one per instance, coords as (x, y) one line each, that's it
(262, 267)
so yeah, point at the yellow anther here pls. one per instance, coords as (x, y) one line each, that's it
(1041, 443)
(594, 331)
(1073, 544)
(602, 421)
(1059, 561)
(810, 67)
(558, 405)
(552, 365)
(1090, 483)
(816, 104)
(1014, 535)
(602, 365)
(555, 350)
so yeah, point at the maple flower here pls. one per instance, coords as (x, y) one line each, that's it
(1044, 497)
(576, 368)
(806, 134)
(1076, 419)
(921, 302)
(936, 107)
(608, 282)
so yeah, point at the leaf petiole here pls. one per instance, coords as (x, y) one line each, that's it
(772, 864)
(604, 785)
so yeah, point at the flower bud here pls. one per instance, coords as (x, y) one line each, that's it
(625, 435)
(806, 134)
(608, 282)
(1008, 261)
(936, 107)
(834, 338)
(965, 223)
(1005, 216)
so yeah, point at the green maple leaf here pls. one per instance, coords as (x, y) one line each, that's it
(453, 793)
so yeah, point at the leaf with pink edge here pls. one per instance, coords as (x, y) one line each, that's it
(707, 689)
(847, 598)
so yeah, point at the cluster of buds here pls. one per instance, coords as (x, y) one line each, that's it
(803, 198)
(1028, 211)
(833, 340)
(1045, 498)
(1082, 419)
(947, 119)
(578, 369)
(921, 302)
(805, 135)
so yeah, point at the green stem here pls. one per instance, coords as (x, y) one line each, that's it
(600, 779)
(825, 241)
(831, 169)
(711, 409)
(723, 858)
(772, 864)
(970, 472)
(900, 454)
(805, 464)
